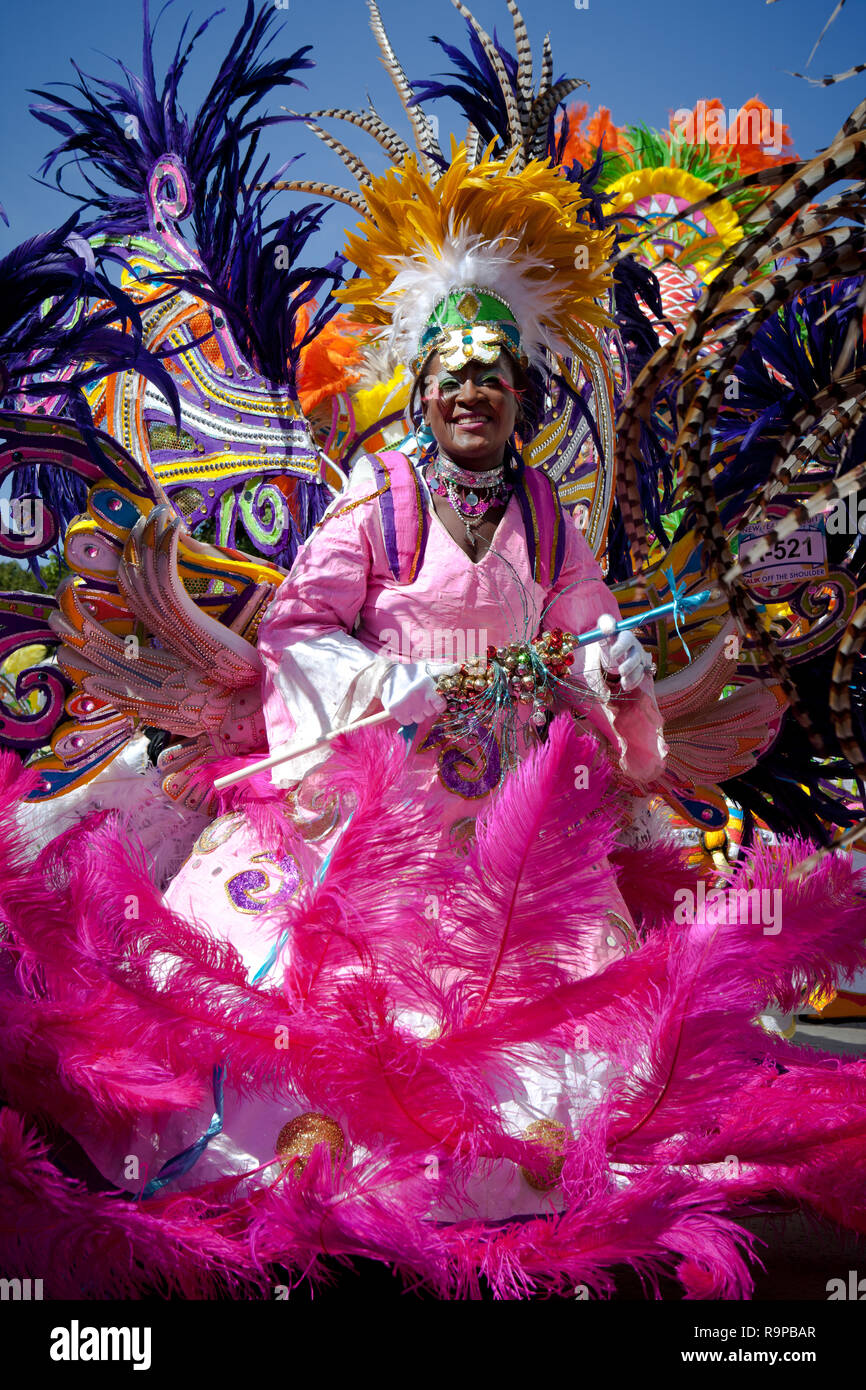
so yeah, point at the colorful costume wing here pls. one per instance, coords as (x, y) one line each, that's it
(156, 631)
(231, 304)
(169, 589)
(62, 326)
(198, 406)
(88, 733)
(187, 677)
(709, 745)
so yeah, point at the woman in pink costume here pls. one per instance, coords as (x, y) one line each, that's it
(330, 636)
(337, 644)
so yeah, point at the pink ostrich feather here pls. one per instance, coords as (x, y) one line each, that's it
(661, 1223)
(536, 881)
(96, 1014)
(204, 1244)
(202, 1009)
(53, 1042)
(377, 1208)
(699, 1043)
(386, 1082)
(259, 800)
(368, 908)
(678, 1015)
(207, 1243)
(87, 1245)
(649, 876)
(822, 920)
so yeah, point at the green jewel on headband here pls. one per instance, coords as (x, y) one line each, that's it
(470, 323)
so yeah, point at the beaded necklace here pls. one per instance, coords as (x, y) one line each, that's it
(471, 493)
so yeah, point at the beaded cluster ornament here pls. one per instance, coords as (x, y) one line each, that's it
(535, 672)
(523, 673)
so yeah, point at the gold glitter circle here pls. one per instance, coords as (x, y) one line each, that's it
(550, 1134)
(297, 1139)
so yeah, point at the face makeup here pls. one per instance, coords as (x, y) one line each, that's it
(471, 411)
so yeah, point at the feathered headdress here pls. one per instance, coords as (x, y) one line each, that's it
(484, 257)
(516, 257)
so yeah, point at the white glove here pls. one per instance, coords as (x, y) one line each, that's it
(409, 693)
(624, 655)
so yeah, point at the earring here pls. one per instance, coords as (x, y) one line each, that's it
(424, 435)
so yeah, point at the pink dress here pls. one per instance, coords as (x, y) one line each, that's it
(328, 640)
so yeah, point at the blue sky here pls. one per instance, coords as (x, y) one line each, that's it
(643, 60)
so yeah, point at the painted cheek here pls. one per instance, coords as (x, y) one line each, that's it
(431, 390)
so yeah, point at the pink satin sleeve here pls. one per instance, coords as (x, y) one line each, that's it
(305, 637)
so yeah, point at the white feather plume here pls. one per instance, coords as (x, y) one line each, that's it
(466, 258)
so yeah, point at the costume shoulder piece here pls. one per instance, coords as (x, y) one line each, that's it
(402, 513)
(404, 519)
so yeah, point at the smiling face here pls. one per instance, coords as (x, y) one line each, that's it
(472, 410)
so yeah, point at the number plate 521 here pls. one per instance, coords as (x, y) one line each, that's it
(800, 556)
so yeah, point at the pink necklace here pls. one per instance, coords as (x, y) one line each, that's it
(471, 493)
